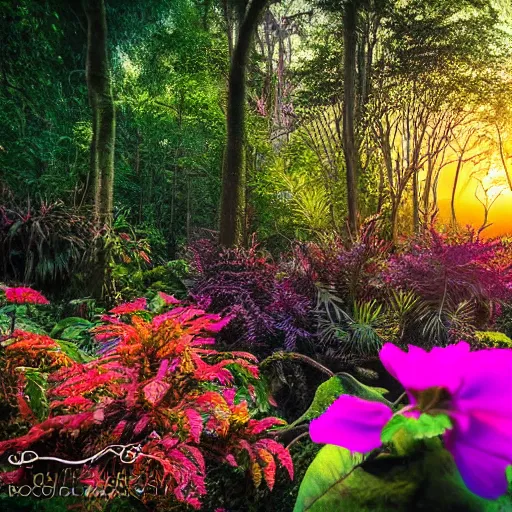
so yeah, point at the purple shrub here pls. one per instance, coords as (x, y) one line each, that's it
(460, 283)
(269, 309)
(291, 312)
(352, 271)
(435, 267)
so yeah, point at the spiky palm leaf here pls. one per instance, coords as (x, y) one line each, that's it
(363, 335)
(438, 324)
(356, 333)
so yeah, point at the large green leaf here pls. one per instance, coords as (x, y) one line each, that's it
(35, 388)
(72, 325)
(425, 480)
(72, 351)
(331, 467)
(340, 384)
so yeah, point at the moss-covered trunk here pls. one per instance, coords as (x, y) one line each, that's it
(101, 100)
(349, 97)
(234, 165)
(103, 111)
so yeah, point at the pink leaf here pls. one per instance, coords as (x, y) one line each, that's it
(141, 424)
(168, 299)
(195, 423)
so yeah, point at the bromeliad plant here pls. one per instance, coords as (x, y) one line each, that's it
(45, 243)
(462, 395)
(158, 382)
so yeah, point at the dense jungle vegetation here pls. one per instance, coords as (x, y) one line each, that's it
(232, 231)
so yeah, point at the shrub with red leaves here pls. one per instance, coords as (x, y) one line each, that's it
(354, 270)
(130, 307)
(24, 295)
(436, 266)
(159, 383)
(23, 353)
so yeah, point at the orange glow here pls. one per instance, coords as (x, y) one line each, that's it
(468, 209)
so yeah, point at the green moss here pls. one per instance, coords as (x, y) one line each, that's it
(493, 339)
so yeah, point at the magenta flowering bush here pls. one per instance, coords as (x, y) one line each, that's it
(472, 389)
(24, 295)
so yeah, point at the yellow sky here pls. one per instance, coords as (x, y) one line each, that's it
(467, 207)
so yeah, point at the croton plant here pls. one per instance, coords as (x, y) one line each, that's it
(157, 381)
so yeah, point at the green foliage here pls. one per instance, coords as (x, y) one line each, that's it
(319, 489)
(362, 335)
(170, 278)
(425, 426)
(73, 351)
(71, 328)
(43, 97)
(341, 384)
(358, 334)
(426, 479)
(493, 339)
(36, 384)
(403, 303)
(289, 194)
(504, 321)
(24, 319)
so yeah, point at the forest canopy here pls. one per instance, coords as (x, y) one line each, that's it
(353, 109)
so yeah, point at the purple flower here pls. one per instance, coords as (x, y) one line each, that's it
(473, 388)
(351, 422)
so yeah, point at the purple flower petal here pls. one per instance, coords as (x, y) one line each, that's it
(419, 370)
(352, 423)
(484, 432)
(487, 384)
(482, 472)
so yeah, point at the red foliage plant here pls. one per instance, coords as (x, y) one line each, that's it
(34, 350)
(23, 295)
(25, 349)
(352, 271)
(130, 307)
(159, 383)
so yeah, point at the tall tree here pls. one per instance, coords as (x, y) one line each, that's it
(233, 169)
(349, 104)
(101, 100)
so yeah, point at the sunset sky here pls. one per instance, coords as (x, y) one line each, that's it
(468, 209)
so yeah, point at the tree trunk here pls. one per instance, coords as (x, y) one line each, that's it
(189, 213)
(395, 206)
(103, 112)
(232, 178)
(415, 203)
(349, 145)
(103, 134)
(426, 194)
(454, 192)
(139, 175)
